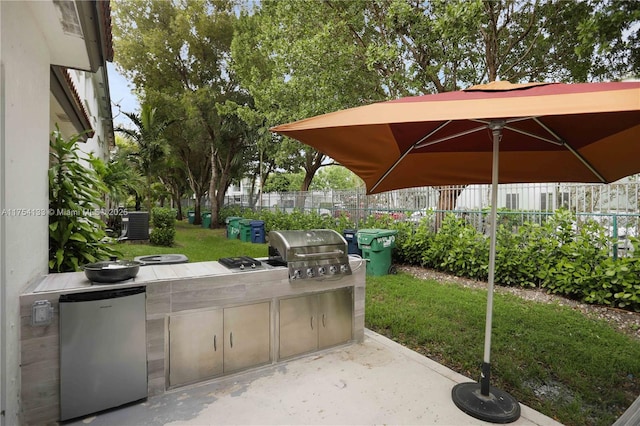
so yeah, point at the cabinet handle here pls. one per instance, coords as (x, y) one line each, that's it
(312, 322)
(323, 322)
(215, 345)
(231, 339)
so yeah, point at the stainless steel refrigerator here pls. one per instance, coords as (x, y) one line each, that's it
(103, 351)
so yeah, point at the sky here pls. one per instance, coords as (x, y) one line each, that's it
(122, 99)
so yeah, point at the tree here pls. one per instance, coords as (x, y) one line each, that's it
(152, 146)
(119, 175)
(278, 182)
(296, 63)
(336, 177)
(177, 53)
(174, 178)
(300, 59)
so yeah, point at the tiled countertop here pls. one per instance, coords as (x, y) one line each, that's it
(71, 281)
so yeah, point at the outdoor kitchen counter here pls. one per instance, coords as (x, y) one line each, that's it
(72, 281)
(170, 289)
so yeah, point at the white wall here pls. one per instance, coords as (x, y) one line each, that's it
(528, 194)
(24, 135)
(86, 85)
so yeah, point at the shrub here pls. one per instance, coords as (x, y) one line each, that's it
(578, 259)
(75, 191)
(162, 236)
(411, 248)
(515, 265)
(163, 217)
(443, 241)
(164, 222)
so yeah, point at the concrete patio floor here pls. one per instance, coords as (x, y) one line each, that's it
(376, 382)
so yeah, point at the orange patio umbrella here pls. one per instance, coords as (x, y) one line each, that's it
(493, 133)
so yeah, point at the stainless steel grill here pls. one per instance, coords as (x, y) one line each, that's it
(316, 253)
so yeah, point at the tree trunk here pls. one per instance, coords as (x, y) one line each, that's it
(148, 203)
(197, 220)
(174, 190)
(448, 195)
(179, 215)
(213, 197)
(219, 187)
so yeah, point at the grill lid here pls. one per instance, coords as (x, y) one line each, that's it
(318, 253)
(300, 245)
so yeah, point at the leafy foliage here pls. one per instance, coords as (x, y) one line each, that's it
(76, 231)
(178, 56)
(162, 236)
(152, 145)
(561, 255)
(164, 227)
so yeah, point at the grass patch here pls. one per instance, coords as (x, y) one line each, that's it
(574, 369)
(198, 244)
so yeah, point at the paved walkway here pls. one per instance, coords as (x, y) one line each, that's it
(377, 382)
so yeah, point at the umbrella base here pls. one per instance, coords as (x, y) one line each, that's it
(497, 407)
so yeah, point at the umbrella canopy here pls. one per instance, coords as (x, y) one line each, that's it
(586, 132)
(494, 133)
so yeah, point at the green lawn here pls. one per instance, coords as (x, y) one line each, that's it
(556, 360)
(551, 358)
(198, 244)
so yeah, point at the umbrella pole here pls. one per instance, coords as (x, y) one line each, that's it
(480, 400)
(493, 220)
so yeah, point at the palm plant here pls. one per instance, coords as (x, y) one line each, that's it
(120, 174)
(152, 145)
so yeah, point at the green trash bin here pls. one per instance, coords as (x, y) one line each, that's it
(206, 220)
(233, 227)
(245, 230)
(377, 246)
(191, 216)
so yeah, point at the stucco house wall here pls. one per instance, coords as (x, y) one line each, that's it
(31, 41)
(23, 180)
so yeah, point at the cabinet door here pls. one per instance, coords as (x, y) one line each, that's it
(247, 336)
(335, 312)
(195, 346)
(298, 325)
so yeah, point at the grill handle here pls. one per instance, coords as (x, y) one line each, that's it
(320, 254)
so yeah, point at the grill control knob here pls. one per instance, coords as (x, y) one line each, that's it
(333, 269)
(344, 268)
(297, 273)
(310, 272)
(321, 270)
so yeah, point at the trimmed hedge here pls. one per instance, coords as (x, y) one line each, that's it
(561, 255)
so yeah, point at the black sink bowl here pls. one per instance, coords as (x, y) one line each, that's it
(111, 271)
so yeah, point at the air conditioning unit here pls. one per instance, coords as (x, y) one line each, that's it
(138, 226)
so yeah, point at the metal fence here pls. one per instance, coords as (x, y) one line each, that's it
(580, 198)
(615, 206)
